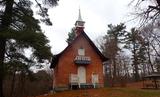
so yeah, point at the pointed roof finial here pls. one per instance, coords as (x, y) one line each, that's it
(79, 16)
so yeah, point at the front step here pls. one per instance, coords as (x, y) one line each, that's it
(59, 89)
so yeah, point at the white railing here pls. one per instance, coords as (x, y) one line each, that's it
(85, 58)
(74, 78)
(82, 60)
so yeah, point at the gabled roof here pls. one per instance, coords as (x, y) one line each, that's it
(55, 58)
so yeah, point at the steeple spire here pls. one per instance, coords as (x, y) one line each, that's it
(79, 22)
(79, 25)
(79, 17)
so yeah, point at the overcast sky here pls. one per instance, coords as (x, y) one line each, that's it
(97, 14)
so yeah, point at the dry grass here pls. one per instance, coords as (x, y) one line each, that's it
(107, 92)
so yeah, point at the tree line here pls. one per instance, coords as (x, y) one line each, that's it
(133, 54)
(19, 85)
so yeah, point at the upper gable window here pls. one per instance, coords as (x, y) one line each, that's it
(81, 51)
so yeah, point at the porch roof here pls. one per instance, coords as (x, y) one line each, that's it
(153, 75)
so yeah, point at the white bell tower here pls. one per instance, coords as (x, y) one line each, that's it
(79, 22)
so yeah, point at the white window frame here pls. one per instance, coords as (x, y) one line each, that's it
(81, 51)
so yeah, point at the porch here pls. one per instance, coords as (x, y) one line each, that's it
(74, 82)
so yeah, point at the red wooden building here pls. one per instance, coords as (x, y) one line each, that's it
(80, 64)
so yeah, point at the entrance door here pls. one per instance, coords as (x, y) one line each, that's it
(82, 74)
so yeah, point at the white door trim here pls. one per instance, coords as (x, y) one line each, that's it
(82, 74)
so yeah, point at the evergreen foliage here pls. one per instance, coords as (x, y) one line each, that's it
(71, 36)
(19, 31)
(111, 47)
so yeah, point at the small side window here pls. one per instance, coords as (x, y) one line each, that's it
(81, 51)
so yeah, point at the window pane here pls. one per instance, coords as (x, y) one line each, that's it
(81, 52)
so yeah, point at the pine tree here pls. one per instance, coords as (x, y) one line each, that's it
(134, 42)
(111, 46)
(71, 36)
(18, 27)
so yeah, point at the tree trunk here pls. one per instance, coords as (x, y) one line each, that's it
(5, 22)
(149, 57)
(22, 86)
(136, 72)
(2, 51)
(114, 72)
(135, 63)
(13, 84)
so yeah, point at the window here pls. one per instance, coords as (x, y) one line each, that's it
(81, 51)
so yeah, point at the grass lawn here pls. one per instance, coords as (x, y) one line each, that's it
(107, 92)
